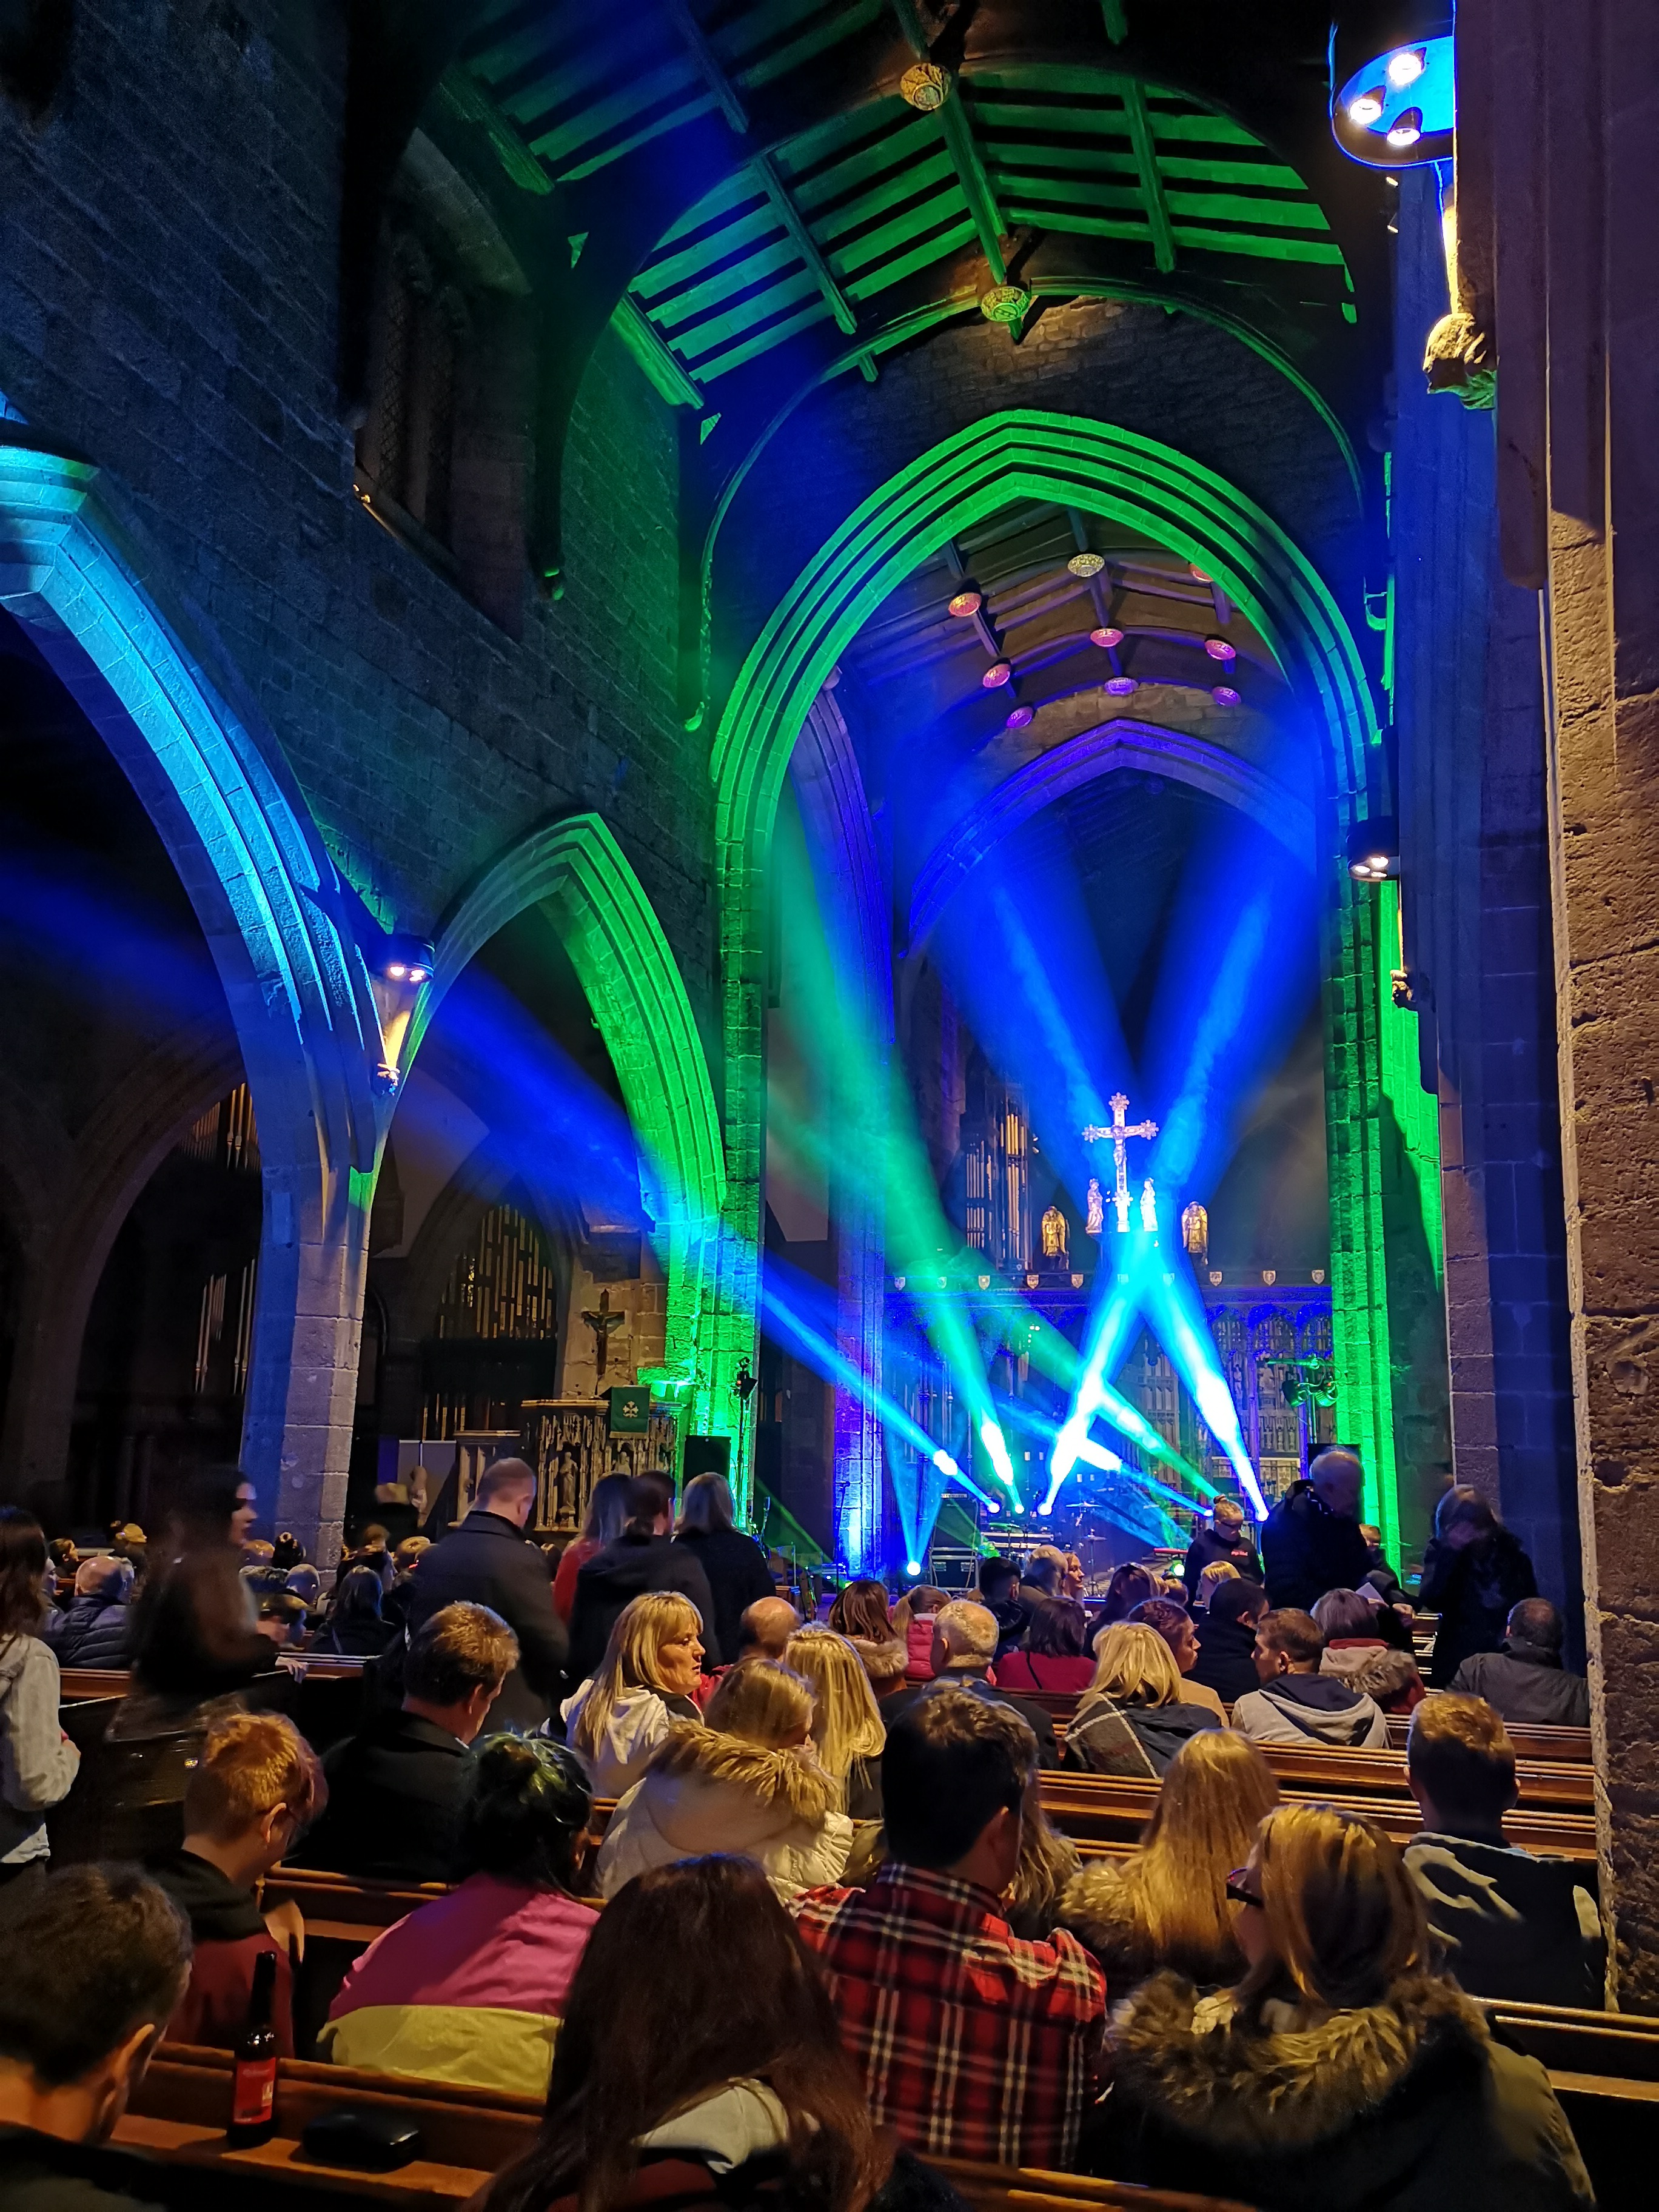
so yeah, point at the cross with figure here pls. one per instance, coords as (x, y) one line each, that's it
(601, 1323)
(1118, 1131)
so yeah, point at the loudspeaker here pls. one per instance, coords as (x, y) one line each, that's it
(707, 1455)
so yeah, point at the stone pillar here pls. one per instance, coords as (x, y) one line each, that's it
(1469, 711)
(1558, 177)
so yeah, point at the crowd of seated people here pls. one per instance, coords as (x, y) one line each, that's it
(956, 1983)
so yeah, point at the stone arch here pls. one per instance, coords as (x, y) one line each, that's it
(1137, 481)
(277, 922)
(578, 874)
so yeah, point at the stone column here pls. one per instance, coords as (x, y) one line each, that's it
(1559, 179)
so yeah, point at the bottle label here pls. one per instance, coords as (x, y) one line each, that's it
(254, 2092)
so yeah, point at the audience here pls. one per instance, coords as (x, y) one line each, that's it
(95, 1628)
(733, 1563)
(1474, 1574)
(1131, 1719)
(396, 1603)
(607, 1511)
(1166, 1904)
(286, 1552)
(738, 2092)
(965, 1639)
(747, 1783)
(1049, 1864)
(1310, 1541)
(862, 1610)
(1055, 1658)
(1050, 1572)
(913, 1622)
(645, 1683)
(1356, 1649)
(1512, 1925)
(1130, 1586)
(397, 1788)
(96, 1960)
(1226, 1650)
(1380, 1575)
(281, 1617)
(488, 1561)
(1223, 1543)
(1165, 1618)
(973, 2042)
(848, 1729)
(355, 1629)
(642, 1560)
(1339, 2073)
(998, 1594)
(252, 1796)
(1526, 1681)
(38, 1762)
(763, 1632)
(193, 1632)
(470, 1988)
(1211, 1581)
(1293, 1702)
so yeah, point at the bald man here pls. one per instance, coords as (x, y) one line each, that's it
(1311, 1540)
(765, 1627)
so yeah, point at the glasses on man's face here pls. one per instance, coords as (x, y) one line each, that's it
(1238, 1888)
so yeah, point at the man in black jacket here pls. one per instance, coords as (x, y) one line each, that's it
(1310, 1541)
(1526, 1682)
(395, 1791)
(488, 1561)
(643, 1557)
(1223, 1542)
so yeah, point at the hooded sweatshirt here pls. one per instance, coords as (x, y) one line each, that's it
(705, 1791)
(1407, 2105)
(227, 1935)
(626, 1570)
(1514, 1927)
(640, 1721)
(38, 1763)
(1312, 1709)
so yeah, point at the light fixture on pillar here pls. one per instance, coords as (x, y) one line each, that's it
(399, 969)
(1005, 303)
(1374, 850)
(1392, 82)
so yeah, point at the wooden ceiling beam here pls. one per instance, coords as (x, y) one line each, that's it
(1151, 180)
(713, 76)
(955, 129)
(766, 174)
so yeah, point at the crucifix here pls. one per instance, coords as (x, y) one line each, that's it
(601, 1323)
(1118, 1131)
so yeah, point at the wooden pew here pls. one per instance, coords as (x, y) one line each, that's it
(1545, 1784)
(1540, 1745)
(1604, 2066)
(1003, 2188)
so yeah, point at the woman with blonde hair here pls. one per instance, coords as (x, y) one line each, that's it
(747, 1783)
(847, 1726)
(1131, 1719)
(1167, 1904)
(1340, 2071)
(1217, 1571)
(642, 1688)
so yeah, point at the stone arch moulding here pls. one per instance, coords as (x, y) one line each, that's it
(1023, 453)
(576, 871)
(277, 922)
(1083, 759)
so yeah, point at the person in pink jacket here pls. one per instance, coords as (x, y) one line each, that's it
(470, 1988)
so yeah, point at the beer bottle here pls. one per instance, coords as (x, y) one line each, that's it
(253, 2077)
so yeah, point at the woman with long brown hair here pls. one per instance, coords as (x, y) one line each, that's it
(38, 1763)
(1340, 2071)
(1167, 1905)
(193, 1632)
(697, 2042)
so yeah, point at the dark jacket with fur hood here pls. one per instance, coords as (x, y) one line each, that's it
(1404, 2107)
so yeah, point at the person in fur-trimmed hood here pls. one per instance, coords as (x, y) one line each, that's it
(1340, 2072)
(747, 1783)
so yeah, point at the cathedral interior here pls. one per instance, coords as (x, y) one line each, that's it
(896, 746)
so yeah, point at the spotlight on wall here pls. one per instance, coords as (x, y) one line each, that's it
(925, 86)
(1020, 718)
(1224, 695)
(1218, 649)
(1374, 850)
(406, 961)
(1392, 82)
(1086, 564)
(1120, 687)
(964, 604)
(400, 967)
(1106, 637)
(997, 674)
(1005, 303)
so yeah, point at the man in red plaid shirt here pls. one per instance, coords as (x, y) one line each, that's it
(973, 2043)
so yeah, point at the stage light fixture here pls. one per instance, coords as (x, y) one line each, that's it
(996, 675)
(965, 604)
(1106, 637)
(913, 1567)
(1368, 108)
(1121, 687)
(1374, 850)
(946, 1465)
(1085, 565)
(1224, 695)
(1405, 129)
(1218, 649)
(1392, 84)
(1198, 575)
(1020, 717)
(1406, 67)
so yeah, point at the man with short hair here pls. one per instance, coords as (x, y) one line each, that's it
(95, 1628)
(97, 1959)
(1175, 1625)
(1294, 1702)
(254, 1790)
(972, 2043)
(764, 1629)
(999, 1594)
(1514, 1926)
(488, 1561)
(1310, 1541)
(1226, 1649)
(395, 1788)
(643, 1557)
(1526, 1681)
(965, 1643)
(1224, 1541)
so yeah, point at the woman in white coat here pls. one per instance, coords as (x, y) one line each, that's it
(747, 1783)
(622, 1714)
(38, 1762)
